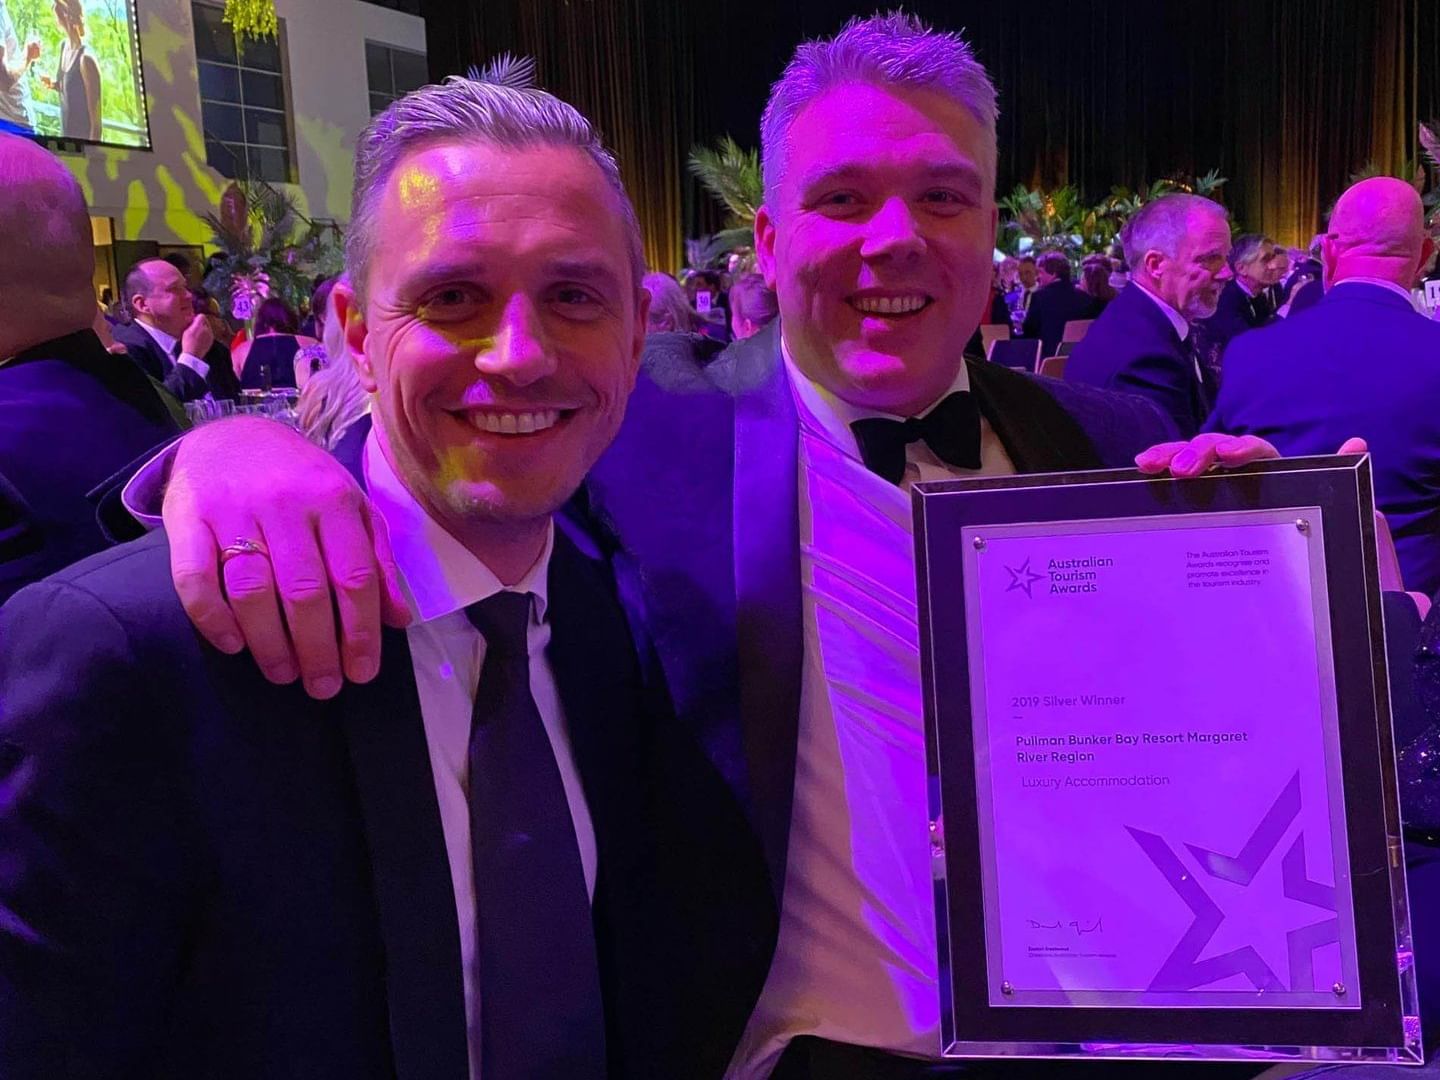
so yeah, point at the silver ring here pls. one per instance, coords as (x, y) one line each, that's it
(242, 546)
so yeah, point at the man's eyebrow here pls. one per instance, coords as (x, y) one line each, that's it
(954, 172)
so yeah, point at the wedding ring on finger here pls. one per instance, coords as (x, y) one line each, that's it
(242, 546)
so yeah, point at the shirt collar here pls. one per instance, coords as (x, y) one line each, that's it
(161, 338)
(1176, 319)
(831, 416)
(1379, 283)
(439, 574)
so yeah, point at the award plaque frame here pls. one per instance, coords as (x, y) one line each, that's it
(1025, 981)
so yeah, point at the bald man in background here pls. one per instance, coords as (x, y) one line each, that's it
(1360, 362)
(71, 414)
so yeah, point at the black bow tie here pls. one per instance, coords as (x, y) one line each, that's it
(951, 429)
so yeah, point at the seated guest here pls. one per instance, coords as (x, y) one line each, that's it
(752, 306)
(997, 313)
(171, 341)
(1056, 302)
(268, 358)
(670, 311)
(1245, 303)
(71, 413)
(503, 857)
(1026, 282)
(334, 408)
(1095, 282)
(1362, 362)
(311, 358)
(1176, 247)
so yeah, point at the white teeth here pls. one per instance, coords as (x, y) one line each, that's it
(525, 423)
(889, 305)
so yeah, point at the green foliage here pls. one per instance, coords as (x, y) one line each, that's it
(274, 239)
(732, 175)
(108, 39)
(1061, 220)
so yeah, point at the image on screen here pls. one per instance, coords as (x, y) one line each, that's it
(70, 69)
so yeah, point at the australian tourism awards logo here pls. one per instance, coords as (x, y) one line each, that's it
(1058, 577)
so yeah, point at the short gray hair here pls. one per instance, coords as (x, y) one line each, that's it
(498, 107)
(1247, 248)
(894, 49)
(1161, 224)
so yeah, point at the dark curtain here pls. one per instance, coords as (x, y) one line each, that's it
(1287, 98)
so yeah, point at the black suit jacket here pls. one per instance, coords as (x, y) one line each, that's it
(1051, 308)
(184, 382)
(71, 415)
(1235, 312)
(701, 488)
(1134, 347)
(202, 874)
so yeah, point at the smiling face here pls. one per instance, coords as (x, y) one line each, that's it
(878, 243)
(501, 330)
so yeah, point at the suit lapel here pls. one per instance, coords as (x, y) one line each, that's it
(1038, 434)
(410, 868)
(768, 594)
(596, 672)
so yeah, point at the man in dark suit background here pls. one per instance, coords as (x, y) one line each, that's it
(502, 857)
(71, 414)
(1245, 303)
(1143, 341)
(1056, 302)
(169, 339)
(1360, 362)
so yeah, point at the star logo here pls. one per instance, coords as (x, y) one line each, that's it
(1022, 577)
(1185, 969)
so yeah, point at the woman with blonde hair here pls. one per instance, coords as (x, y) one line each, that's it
(333, 399)
(669, 307)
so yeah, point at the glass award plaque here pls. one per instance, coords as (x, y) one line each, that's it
(1164, 816)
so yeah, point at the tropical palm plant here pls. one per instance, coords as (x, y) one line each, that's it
(732, 175)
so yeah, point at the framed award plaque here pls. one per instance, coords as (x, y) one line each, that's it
(1164, 809)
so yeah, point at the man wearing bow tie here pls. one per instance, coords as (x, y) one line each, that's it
(765, 498)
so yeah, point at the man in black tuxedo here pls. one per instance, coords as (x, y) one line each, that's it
(1245, 303)
(763, 500)
(502, 857)
(71, 414)
(1143, 342)
(169, 340)
(1056, 302)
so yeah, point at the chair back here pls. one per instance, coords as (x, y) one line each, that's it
(1075, 329)
(1053, 366)
(1022, 354)
(1065, 348)
(991, 333)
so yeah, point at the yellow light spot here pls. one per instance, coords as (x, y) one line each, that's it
(179, 218)
(162, 43)
(137, 209)
(419, 190)
(327, 141)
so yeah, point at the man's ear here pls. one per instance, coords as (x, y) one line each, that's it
(1153, 262)
(352, 317)
(642, 323)
(1328, 258)
(765, 245)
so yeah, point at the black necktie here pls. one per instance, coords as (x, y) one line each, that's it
(541, 1013)
(951, 429)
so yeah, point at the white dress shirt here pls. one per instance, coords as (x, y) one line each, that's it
(856, 959)
(167, 346)
(441, 577)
